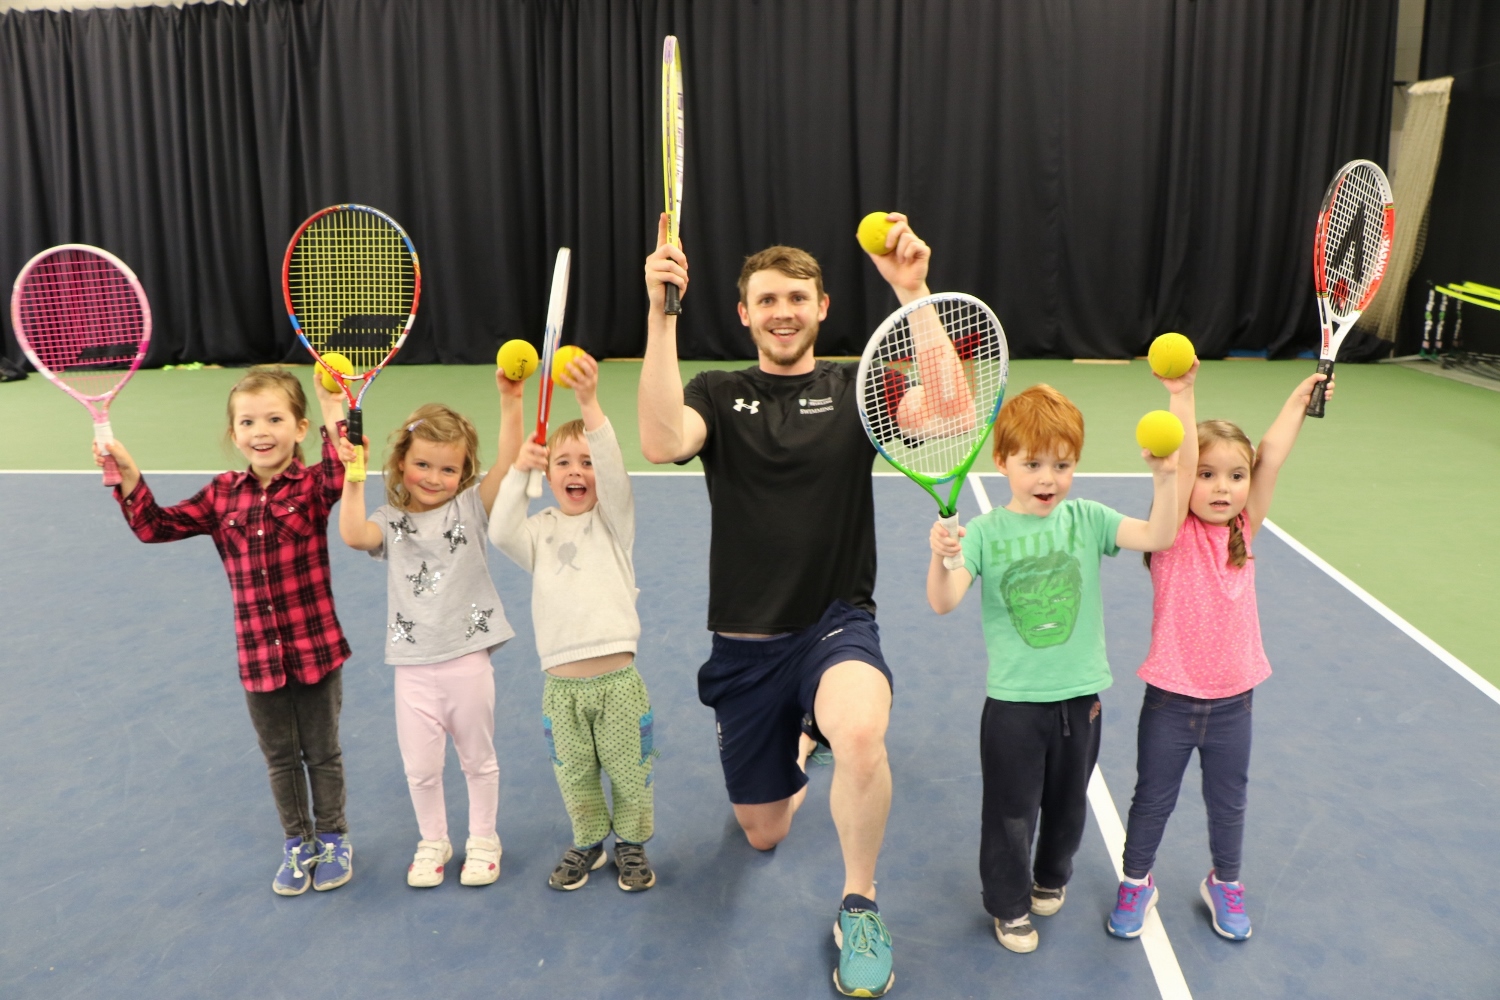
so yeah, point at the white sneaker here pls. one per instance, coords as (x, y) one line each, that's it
(481, 861)
(426, 869)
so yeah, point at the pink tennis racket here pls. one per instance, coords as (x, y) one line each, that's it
(82, 318)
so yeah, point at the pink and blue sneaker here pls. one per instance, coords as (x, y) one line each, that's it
(1227, 901)
(1133, 902)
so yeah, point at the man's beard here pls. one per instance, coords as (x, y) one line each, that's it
(787, 354)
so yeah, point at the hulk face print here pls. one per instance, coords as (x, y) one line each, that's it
(1042, 595)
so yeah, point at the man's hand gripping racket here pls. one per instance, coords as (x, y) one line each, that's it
(930, 382)
(1351, 247)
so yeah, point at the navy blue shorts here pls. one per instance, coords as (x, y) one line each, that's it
(762, 689)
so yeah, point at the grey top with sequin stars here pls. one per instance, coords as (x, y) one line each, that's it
(442, 601)
(582, 578)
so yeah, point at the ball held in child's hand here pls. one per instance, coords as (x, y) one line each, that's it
(560, 359)
(872, 232)
(338, 363)
(1159, 432)
(517, 359)
(1171, 355)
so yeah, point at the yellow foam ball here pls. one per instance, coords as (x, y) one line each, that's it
(872, 232)
(517, 359)
(560, 360)
(338, 363)
(1159, 432)
(1171, 355)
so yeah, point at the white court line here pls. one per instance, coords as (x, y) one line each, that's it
(1159, 953)
(1452, 662)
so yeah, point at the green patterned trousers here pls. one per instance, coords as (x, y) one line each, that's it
(602, 722)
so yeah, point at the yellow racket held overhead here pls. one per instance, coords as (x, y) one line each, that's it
(672, 150)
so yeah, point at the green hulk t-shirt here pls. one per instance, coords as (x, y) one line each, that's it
(1043, 614)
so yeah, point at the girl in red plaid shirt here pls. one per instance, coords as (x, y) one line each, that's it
(270, 525)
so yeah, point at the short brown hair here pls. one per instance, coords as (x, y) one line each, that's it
(440, 425)
(789, 261)
(570, 431)
(1036, 419)
(270, 378)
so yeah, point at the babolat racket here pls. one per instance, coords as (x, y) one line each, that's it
(672, 151)
(1350, 250)
(82, 318)
(930, 383)
(550, 339)
(351, 281)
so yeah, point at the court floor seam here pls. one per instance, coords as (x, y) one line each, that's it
(1158, 947)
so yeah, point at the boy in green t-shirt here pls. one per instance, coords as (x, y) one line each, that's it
(1044, 632)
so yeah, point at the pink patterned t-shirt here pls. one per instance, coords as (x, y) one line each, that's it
(1205, 629)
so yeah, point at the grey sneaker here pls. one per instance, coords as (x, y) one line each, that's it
(573, 870)
(635, 871)
(1016, 935)
(1045, 902)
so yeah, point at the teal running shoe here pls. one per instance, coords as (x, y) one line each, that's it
(864, 954)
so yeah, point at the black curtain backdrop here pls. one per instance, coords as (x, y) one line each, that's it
(1098, 170)
(1462, 40)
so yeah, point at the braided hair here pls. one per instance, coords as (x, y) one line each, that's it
(1211, 432)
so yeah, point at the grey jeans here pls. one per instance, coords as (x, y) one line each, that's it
(298, 729)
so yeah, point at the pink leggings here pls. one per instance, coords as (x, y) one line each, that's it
(436, 700)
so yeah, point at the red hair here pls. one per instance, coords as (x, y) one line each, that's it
(1036, 420)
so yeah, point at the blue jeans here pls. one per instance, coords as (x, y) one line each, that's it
(1172, 727)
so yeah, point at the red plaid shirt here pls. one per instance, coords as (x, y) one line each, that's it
(274, 543)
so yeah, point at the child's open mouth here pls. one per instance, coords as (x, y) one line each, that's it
(1044, 497)
(576, 491)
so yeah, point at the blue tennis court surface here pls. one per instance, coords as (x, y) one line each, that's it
(141, 837)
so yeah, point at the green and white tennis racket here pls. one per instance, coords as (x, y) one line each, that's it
(930, 383)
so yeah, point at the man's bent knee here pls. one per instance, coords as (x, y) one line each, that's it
(765, 825)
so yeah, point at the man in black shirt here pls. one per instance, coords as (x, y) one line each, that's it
(791, 563)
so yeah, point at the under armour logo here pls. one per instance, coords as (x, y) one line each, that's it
(753, 406)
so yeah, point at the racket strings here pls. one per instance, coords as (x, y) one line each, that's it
(82, 318)
(1354, 240)
(929, 415)
(352, 281)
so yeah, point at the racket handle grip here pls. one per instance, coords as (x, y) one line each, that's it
(104, 436)
(674, 300)
(1315, 402)
(951, 523)
(534, 484)
(355, 472)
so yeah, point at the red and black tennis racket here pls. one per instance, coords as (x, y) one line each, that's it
(1350, 250)
(351, 280)
(82, 318)
(551, 337)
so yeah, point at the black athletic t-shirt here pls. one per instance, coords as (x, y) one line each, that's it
(788, 469)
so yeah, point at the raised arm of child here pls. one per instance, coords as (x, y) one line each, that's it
(511, 433)
(1184, 408)
(357, 531)
(1159, 532)
(945, 587)
(1274, 449)
(611, 481)
(510, 532)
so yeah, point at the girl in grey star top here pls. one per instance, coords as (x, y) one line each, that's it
(444, 618)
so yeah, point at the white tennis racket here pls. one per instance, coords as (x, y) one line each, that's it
(1351, 247)
(551, 337)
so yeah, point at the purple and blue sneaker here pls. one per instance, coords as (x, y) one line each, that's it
(1133, 902)
(335, 861)
(1227, 901)
(295, 873)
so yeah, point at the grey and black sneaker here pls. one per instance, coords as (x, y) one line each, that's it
(1045, 902)
(573, 870)
(635, 871)
(1017, 935)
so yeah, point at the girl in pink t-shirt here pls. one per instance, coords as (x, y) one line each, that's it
(1206, 655)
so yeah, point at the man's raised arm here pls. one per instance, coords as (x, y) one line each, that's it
(670, 430)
